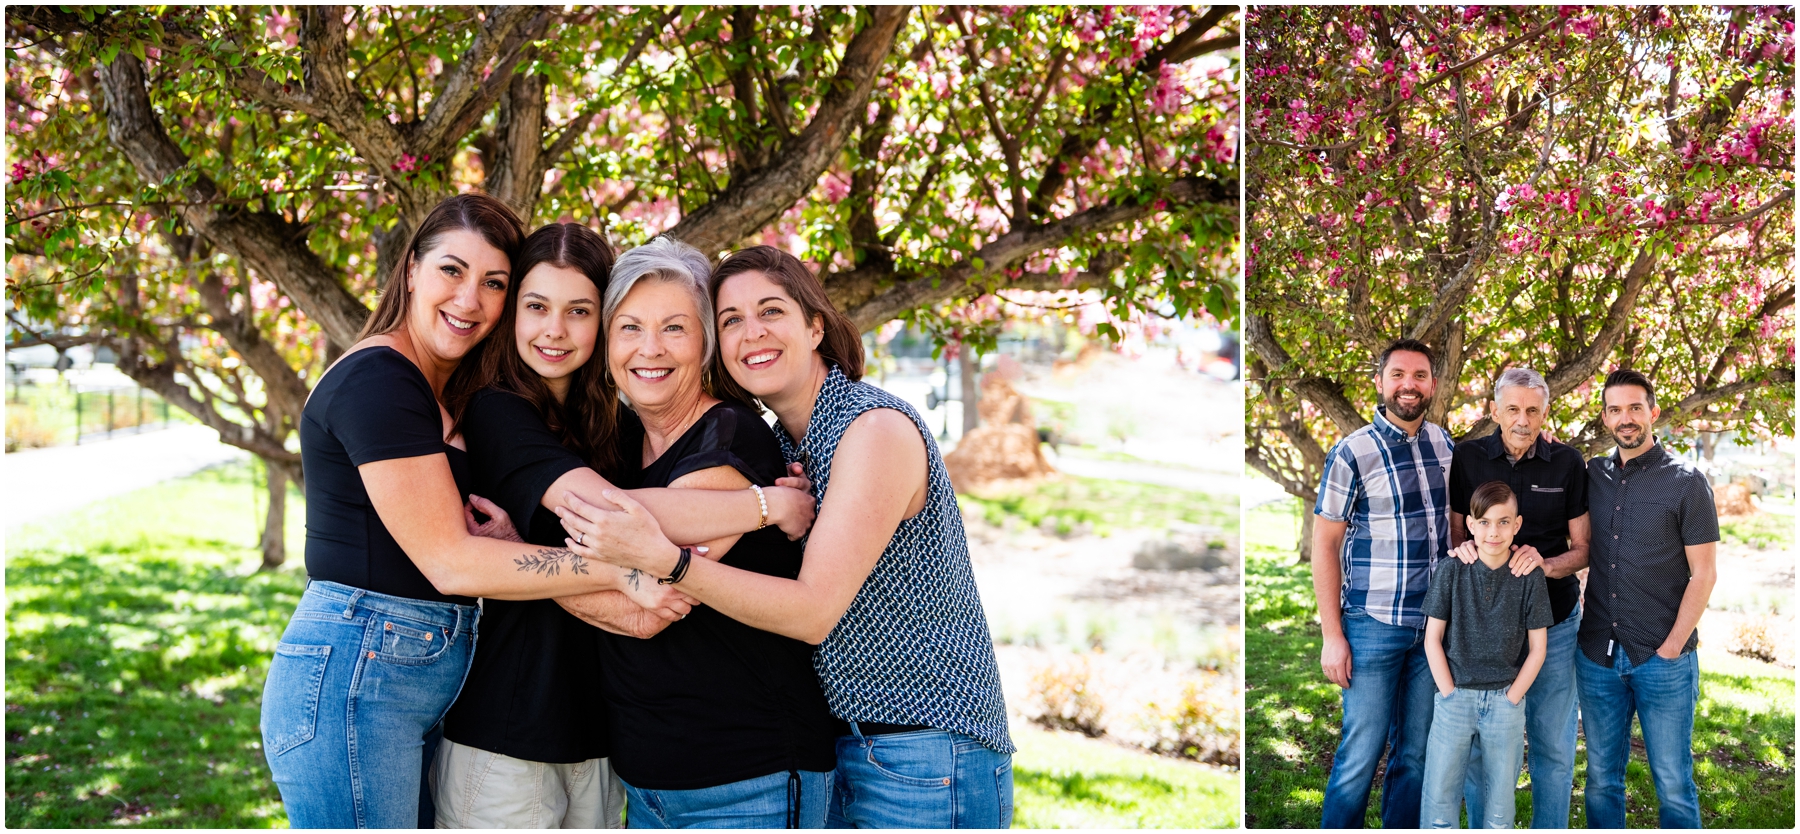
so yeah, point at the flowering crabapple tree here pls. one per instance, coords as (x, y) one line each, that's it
(1572, 189)
(218, 192)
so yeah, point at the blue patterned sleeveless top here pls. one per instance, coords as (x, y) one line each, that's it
(914, 646)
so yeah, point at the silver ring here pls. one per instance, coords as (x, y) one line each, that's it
(578, 539)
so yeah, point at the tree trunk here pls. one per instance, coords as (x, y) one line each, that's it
(1306, 534)
(274, 535)
(969, 368)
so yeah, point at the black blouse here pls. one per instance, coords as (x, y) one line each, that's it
(373, 405)
(533, 690)
(710, 700)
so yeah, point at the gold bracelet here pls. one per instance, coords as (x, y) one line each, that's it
(764, 502)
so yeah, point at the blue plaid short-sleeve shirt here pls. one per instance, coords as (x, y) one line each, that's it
(1390, 488)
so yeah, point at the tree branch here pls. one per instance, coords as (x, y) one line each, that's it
(269, 243)
(757, 200)
(872, 294)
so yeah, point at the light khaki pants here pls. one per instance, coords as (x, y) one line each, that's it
(473, 788)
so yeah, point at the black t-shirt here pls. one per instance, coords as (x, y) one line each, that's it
(710, 700)
(1551, 484)
(533, 690)
(373, 405)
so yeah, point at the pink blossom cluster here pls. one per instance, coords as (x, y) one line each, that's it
(1219, 144)
(1165, 94)
(408, 163)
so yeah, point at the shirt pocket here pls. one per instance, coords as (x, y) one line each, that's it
(1653, 521)
(1543, 505)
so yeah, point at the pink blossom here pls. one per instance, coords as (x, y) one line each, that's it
(1165, 95)
(836, 188)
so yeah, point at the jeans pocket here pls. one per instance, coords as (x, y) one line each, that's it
(291, 696)
(415, 643)
(911, 763)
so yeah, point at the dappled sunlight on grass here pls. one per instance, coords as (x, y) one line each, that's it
(1064, 780)
(135, 658)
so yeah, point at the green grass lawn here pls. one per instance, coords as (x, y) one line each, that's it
(1068, 502)
(1743, 733)
(139, 633)
(1066, 780)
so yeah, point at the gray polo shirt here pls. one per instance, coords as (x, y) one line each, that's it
(1645, 515)
(1488, 612)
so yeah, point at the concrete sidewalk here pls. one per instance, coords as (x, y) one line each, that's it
(44, 482)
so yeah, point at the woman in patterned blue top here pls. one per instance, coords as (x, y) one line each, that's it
(885, 591)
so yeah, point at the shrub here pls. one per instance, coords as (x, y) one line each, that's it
(1068, 697)
(1203, 724)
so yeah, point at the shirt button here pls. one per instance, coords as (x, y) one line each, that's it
(1618, 508)
(1615, 535)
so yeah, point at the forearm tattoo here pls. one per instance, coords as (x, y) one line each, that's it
(634, 577)
(550, 561)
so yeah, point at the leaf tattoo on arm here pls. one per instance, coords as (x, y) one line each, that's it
(549, 561)
(635, 577)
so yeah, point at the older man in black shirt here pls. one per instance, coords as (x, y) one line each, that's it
(1656, 536)
(1550, 481)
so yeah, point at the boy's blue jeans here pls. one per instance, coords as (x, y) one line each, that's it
(357, 683)
(1387, 705)
(1550, 727)
(1663, 693)
(1456, 722)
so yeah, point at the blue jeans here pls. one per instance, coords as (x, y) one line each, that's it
(1457, 721)
(1550, 726)
(796, 799)
(924, 779)
(1387, 707)
(1664, 694)
(357, 682)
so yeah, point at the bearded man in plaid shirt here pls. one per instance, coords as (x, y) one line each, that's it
(1382, 524)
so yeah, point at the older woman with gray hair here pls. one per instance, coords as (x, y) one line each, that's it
(714, 723)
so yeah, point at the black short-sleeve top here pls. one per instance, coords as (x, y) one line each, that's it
(533, 690)
(373, 405)
(710, 700)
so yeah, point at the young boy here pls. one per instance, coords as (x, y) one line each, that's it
(1480, 619)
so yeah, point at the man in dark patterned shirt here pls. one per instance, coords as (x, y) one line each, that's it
(1651, 571)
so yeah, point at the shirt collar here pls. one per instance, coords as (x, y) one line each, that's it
(1656, 454)
(1394, 433)
(834, 381)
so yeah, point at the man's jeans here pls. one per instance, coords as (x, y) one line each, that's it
(789, 799)
(358, 681)
(1550, 726)
(1457, 721)
(1387, 705)
(922, 779)
(1663, 693)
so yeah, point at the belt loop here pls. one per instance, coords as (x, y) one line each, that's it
(350, 606)
(856, 731)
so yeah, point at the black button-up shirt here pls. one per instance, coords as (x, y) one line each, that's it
(1551, 485)
(1645, 514)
